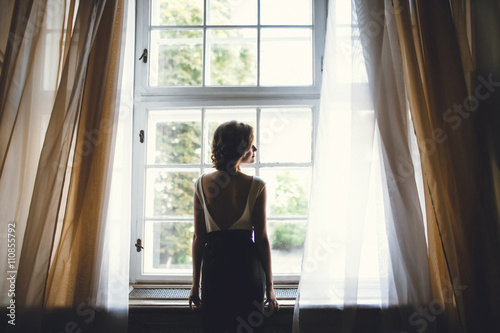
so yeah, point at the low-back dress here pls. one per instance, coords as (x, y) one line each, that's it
(232, 280)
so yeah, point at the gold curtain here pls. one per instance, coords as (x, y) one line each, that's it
(70, 284)
(446, 96)
(58, 91)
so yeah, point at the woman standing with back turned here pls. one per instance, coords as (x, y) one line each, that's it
(228, 207)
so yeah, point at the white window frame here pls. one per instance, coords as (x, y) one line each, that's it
(151, 98)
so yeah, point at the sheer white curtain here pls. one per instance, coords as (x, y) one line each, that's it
(365, 258)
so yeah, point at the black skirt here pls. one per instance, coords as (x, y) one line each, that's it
(232, 283)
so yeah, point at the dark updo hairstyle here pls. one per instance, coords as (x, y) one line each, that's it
(231, 141)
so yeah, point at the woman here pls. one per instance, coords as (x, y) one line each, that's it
(228, 207)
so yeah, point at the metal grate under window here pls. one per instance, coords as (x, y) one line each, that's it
(183, 293)
(159, 293)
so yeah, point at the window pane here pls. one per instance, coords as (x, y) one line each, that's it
(287, 244)
(169, 193)
(286, 57)
(287, 191)
(232, 12)
(174, 137)
(285, 135)
(215, 117)
(232, 57)
(176, 58)
(167, 246)
(177, 12)
(286, 12)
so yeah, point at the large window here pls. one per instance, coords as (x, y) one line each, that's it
(206, 62)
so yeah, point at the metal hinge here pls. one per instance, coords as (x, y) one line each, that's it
(141, 136)
(144, 56)
(138, 245)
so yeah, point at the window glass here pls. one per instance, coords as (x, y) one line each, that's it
(286, 57)
(167, 250)
(169, 193)
(177, 12)
(286, 135)
(232, 57)
(287, 191)
(286, 12)
(176, 58)
(174, 136)
(287, 244)
(232, 12)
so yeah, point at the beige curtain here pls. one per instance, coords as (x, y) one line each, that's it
(85, 211)
(58, 96)
(446, 95)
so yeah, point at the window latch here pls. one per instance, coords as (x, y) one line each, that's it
(141, 136)
(144, 56)
(138, 245)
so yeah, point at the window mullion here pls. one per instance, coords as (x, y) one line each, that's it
(204, 51)
(258, 43)
(203, 144)
(257, 171)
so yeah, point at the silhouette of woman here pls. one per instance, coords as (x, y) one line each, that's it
(231, 251)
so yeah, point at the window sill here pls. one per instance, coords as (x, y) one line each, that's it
(175, 296)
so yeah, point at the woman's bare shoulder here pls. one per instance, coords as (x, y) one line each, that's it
(259, 181)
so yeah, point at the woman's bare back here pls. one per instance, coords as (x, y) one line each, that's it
(226, 197)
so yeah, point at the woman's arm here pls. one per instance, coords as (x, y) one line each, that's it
(262, 242)
(197, 250)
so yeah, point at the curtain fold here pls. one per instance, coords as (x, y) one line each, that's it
(404, 217)
(51, 172)
(27, 103)
(6, 8)
(84, 214)
(57, 164)
(447, 97)
(365, 263)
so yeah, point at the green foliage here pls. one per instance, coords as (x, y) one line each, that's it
(173, 196)
(291, 199)
(178, 142)
(180, 64)
(288, 235)
(181, 13)
(233, 65)
(291, 196)
(174, 242)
